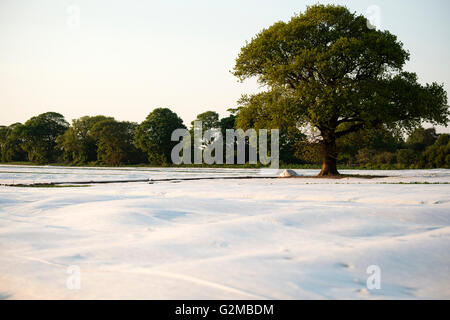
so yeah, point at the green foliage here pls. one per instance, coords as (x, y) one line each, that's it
(39, 136)
(438, 154)
(104, 141)
(78, 143)
(406, 157)
(308, 152)
(210, 120)
(421, 138)
(11, 143)
(327, 69)
(153, 135)
(364, 145)
(387, 158)
(115, 142)
(272, 111)
(227, 123)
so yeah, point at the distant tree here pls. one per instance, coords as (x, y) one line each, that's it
(228, 122)
(11, 143)
(385, 157)
(116, 142)
(438, 154)
(326, 69)
(3, 135)
(39, 136)
(78, 143)
(153, 135)
(442, 140)
(406, 157)
(209, 119)
(370, 142)
(421, 138)
(364, 156)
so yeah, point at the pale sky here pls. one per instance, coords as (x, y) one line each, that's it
(126, 58)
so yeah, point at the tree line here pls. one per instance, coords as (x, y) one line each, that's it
(102, 140)
(97, 140)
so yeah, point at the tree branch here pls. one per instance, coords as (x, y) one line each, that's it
(353, 128)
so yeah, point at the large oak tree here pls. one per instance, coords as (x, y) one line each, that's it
(328, 69)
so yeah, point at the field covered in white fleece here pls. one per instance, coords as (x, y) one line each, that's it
(224, 239)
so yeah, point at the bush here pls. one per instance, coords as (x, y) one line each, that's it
(406, 157)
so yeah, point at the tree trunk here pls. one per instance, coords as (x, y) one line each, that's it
(329, 156)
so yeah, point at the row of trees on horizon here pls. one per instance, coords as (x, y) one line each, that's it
(102, 140)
